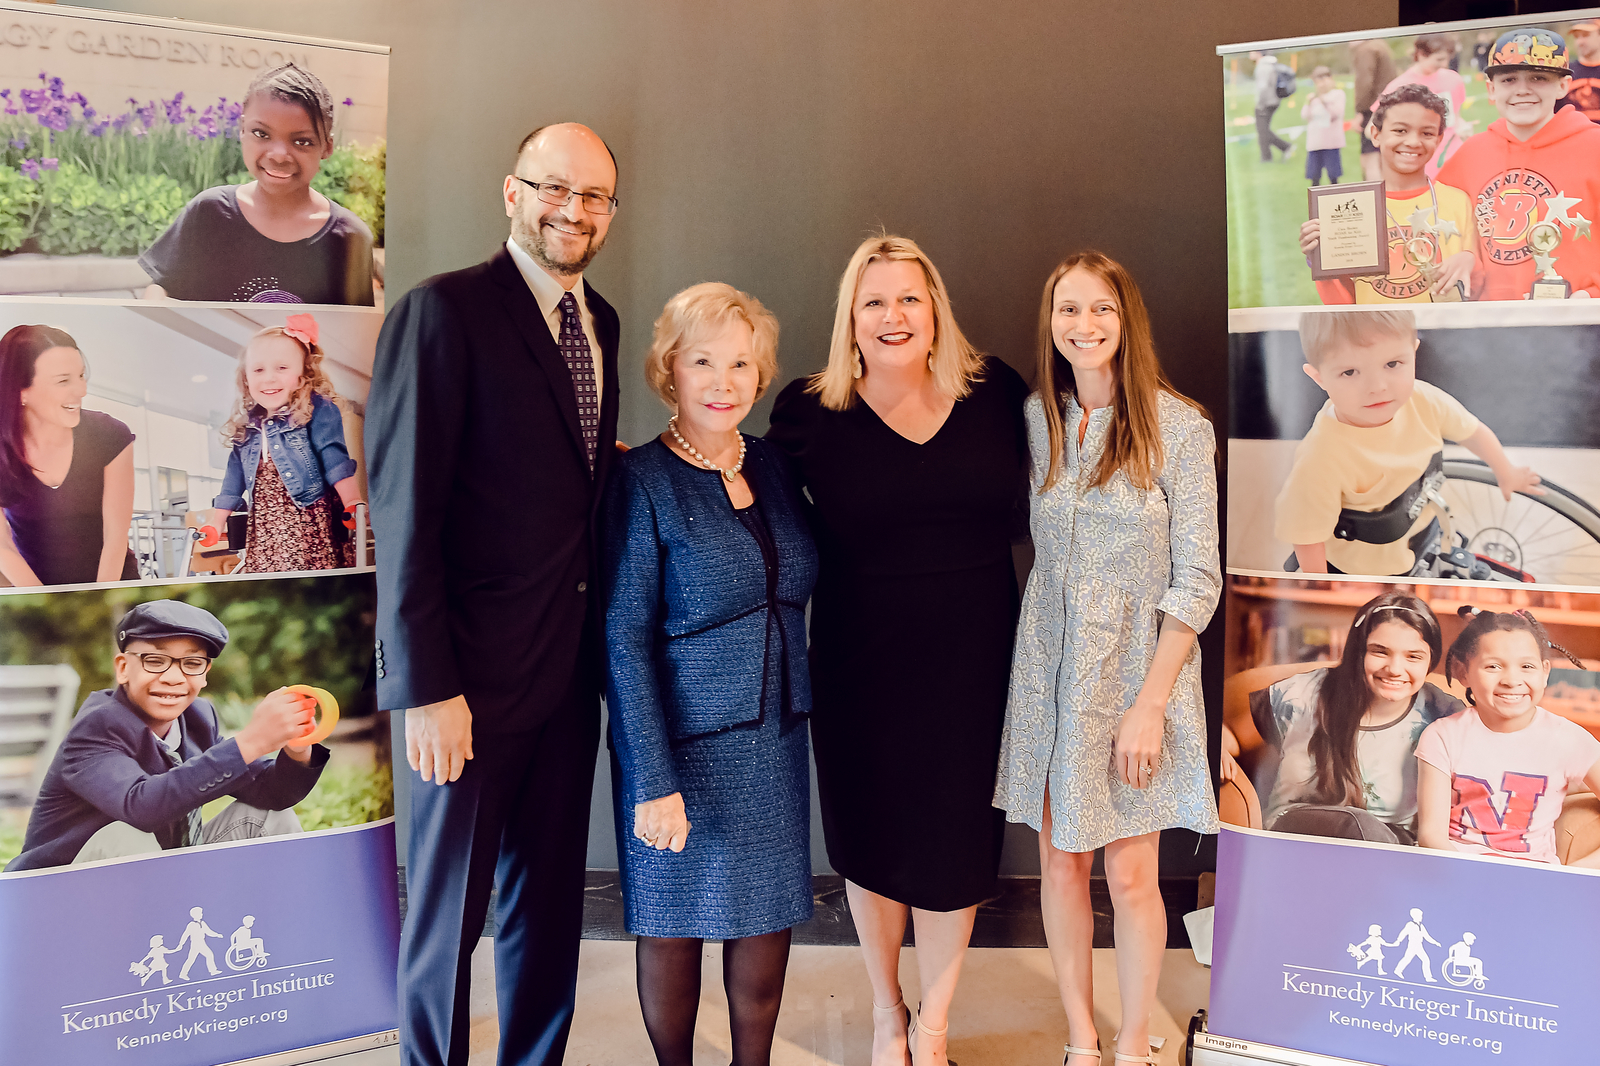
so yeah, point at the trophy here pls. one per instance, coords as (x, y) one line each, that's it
(1543, 239)
(1419, 253)
(1427, 238)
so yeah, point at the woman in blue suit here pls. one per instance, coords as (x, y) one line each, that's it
(708, 566)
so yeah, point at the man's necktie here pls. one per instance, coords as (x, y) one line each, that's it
(190, 834)
(580, 363)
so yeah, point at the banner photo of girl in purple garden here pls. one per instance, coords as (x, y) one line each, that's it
(145, 159)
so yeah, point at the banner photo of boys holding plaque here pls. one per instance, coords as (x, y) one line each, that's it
(1490, 172)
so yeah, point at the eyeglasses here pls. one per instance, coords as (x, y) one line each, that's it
(595, 203)
(193, 665)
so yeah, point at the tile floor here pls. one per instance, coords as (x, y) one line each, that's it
(1006, 1013)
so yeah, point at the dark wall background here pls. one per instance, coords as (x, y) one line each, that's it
(759, 142)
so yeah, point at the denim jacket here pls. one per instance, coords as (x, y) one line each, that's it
(309, 458)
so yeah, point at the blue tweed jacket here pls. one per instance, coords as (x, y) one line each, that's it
(690, 621)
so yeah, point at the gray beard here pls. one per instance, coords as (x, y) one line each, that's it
(532, 241)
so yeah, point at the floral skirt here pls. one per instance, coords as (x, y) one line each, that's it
(283, 536)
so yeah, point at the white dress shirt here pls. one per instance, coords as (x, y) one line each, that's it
(548, 292)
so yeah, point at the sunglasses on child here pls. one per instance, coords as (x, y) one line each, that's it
(193, 665)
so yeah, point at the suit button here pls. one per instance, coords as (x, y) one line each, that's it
(380, 672)
(228, 774)
(583, 586)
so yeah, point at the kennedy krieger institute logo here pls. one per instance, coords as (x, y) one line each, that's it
(1460, 968)
(245, 950)
(1443, 1004)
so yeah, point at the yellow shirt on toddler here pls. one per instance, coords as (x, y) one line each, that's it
(1340, 466)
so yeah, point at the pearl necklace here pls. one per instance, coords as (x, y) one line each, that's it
(730, 473)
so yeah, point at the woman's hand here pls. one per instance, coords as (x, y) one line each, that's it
(1138, 751)
(662, 823)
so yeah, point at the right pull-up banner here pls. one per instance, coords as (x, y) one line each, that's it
(1412, 695)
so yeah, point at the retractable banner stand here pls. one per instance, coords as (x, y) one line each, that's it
(1412, 675)
(191, 288)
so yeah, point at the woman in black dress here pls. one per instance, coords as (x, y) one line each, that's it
(66, 474)
(913, 449)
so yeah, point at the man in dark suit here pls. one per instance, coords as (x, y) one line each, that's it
(490, 427)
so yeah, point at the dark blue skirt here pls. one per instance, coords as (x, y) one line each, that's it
(746, 869)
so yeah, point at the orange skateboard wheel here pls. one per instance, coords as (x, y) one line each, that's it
(329, 718)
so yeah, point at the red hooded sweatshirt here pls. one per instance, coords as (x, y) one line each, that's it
(1511, 180)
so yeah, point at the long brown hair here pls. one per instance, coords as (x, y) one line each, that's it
(1134, 444)
(1344, 696)
(20, 350)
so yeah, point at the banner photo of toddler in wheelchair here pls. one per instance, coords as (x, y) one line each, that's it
(1437, 714)
(166, 718)
(1406, 444)
(158, 441)
(145, 158)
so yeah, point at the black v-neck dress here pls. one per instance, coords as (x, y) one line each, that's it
(912, 623)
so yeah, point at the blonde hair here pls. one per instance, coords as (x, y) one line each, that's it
(1134, 443)
(312, 379)
(697, 313)
(1323, 331)
(956, 364)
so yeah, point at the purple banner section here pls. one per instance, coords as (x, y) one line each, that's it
(1392, 954)
(201, 956)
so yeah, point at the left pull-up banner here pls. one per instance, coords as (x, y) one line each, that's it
(196, 794)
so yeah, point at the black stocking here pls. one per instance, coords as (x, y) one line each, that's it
(752, 972)
(669, 994)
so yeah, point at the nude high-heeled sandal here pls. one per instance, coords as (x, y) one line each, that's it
(895, 1009)
(1071, 1051)
(916, 1027)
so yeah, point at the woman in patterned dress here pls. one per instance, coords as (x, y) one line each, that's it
(1105, 737)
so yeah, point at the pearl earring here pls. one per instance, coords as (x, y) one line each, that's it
(858, 367)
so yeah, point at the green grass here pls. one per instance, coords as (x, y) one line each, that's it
(1267, 201)
(343, 796)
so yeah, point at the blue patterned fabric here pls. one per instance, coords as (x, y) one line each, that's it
(707, 688)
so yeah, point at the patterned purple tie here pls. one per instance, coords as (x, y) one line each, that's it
(575, 348)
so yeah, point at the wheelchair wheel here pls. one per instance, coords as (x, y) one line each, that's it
(1554, 538)
(240, 958)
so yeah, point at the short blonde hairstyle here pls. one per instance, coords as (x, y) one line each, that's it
(698, 312)
(1323, 331)
(956, 364)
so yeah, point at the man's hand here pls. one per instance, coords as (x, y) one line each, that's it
(279, 718)
(439, 739)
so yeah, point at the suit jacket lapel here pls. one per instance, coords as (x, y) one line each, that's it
(530, 322)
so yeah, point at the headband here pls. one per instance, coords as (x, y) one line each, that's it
(302, 328)
(1432, 623)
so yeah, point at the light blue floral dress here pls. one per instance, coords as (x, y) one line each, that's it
(1110, 563)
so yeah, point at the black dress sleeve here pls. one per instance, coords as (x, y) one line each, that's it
(1013, 392)
(791, 422)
